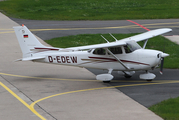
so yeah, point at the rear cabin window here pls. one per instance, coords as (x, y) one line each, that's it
(116, 50)
(99, 51)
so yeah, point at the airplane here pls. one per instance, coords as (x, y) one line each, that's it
(124, 55)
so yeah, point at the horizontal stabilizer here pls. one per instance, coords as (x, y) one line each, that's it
(43, 49)
(31, 58)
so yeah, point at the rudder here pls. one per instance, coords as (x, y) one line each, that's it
(27, 40)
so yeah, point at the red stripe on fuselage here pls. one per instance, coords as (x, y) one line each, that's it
(114, 60)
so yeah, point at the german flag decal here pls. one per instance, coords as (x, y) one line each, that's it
(25, 36)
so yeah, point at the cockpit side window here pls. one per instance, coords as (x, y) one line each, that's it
(116, 50)
(127, 49)
(131, 46)
(99, 51)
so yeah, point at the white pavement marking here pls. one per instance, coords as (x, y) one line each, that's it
(173, 38)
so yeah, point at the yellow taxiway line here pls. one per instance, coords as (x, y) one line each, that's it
(22, 101)
(21, 76)
(84, 90)
(128, 26)
(131, 85)
(31, 107)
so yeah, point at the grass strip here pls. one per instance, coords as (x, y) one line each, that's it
(90, 9)
(167, 109)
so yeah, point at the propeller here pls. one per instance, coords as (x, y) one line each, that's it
(163, 55)
(161, 65)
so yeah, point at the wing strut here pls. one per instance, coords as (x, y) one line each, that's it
(105, 39)
(145, 44)
(117, 59)
(113, 37)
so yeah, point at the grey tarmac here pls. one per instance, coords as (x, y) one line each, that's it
(58, 92)
(51, 29)
(145, 95)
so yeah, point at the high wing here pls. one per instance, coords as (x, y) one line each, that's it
(137, 38)
(148, 35)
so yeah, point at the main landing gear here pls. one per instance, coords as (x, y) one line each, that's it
(106, 81)
(106, 78)
(147, 76)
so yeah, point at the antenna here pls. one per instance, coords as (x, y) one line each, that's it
(113, 37)
(105, 39)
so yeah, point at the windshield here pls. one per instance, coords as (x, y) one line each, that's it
(132, 45)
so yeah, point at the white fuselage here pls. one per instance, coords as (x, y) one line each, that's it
(141, 59)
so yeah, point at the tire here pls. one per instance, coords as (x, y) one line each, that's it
(127, 76)
(106, 81)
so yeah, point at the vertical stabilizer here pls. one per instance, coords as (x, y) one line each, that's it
(27, 40)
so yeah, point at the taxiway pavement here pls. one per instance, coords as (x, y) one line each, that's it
(145, 95)
(43, 91)
(51, 29)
